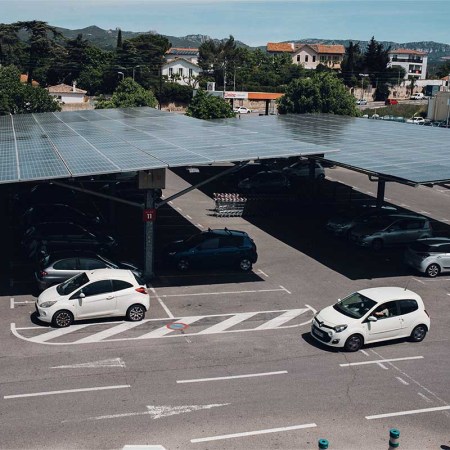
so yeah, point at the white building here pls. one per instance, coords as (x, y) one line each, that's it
(181, 71)
(68, 94)
(189, 54)
(413, 61)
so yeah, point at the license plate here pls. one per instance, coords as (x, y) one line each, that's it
(319, 333)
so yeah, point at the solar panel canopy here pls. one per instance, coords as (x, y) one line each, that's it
(395, 150)
(82, 143)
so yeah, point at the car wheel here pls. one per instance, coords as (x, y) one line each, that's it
(354, 343)
(419, 333)
(245, 265)
(135, 313)
(433, 270)
(62, 319)
(377, 244)
(183, 264)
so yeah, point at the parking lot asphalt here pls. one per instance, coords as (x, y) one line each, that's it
(242, 372)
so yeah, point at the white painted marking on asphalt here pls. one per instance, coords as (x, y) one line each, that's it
(425, 397)
(445, 220)
(11, 302)
(166, 309)
(404, 205)
(179, 209)
(424, 212)
(405, 413)
(364, 352)
(411, 378)
(58, 333)
(188, 217)
(281, 319)
(109, 332)
(196, 294)
(219, 327)
(402, 381)
(25, 302)
(419, 281)
(312, 309)
(263, 273)
(143, 447)
(171, 202)
(112, 362)
(369, 192)
(233, 377)
(284, 289)
(380, 361)
(382, 366)
(68, 391)
(160, 332)
(200, 225)
(254, 433)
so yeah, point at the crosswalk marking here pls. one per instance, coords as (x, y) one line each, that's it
(108, 333)
(208, 324)
(160, 332)
(222, 326)
(58, 333)
(280, 320)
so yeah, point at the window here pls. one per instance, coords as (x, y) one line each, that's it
(230, 241)
(386, 310)
(120, 285)
(306, 58)
(170, 72)
(91, 264)
(415, 225)
(210, 244)
(314, 58)
(298, 58)
(97, 288)
(408, 306)
(191, 73)
(66, 264)
(180, 71)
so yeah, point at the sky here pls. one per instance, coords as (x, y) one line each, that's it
(254, 22)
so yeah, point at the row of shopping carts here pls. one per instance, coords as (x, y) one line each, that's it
(229, 204)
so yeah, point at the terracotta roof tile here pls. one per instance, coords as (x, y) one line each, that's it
(64, 88)
(336, 49)
(182, 51)
(24, 79)
(405, 51)
(280, 47)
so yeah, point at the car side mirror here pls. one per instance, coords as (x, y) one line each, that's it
(372, 319)
(81, 295)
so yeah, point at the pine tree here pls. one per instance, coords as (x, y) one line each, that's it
(119, 39)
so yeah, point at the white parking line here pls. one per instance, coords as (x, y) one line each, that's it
(254, 433)
(166, 309)
(402, 381)
(419, 281)
(263, 273)
(222, 326)
(284, 289)
(109, 332)
(281, 319)
(364, 352)
(405, 413)
(57, 333)
(188, 217)
(67, 391)
(380, 361)
(11, 302)
(382, 366)
(424, 212)
(425, 397)
(223, 293)
(200, 225)
(159, 332)
(233, 377)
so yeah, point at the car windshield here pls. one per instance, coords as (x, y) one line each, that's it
(72, 284)
(355, 305)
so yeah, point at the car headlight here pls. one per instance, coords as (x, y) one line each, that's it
(47, 304)
(172, 253)
(339, 328)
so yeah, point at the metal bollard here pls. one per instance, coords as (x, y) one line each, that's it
(323, 443)
(394, 436)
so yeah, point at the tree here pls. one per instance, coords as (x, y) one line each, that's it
(128, 94)
(443, 70)
(18, 98)
(322, 92)
(351, 65)
(96, 75)
(40, 46)
(206, 106)
(9, 44)
(119, 39)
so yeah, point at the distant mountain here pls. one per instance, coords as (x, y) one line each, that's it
(107, 39)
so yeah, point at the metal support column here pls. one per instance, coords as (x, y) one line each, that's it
(380, 192)
(149, 246)
(267, 107)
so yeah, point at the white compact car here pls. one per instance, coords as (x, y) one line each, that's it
(372, 315)
(93, 294)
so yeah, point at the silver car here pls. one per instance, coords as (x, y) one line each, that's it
(394, 229)
(430, 256)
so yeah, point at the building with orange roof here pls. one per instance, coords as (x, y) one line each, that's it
(310, 55)
(24, 80)
(413, 61)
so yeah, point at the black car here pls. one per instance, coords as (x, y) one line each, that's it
(268, 181)
(44, 212)
(65, 235)
(214, 248)
(58, 266)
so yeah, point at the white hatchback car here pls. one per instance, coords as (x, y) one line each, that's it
(372, 315)
(93, 294)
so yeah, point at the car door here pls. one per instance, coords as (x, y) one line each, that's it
(388, 327)
(206, 254)
(408, 315)
(124, 297)
(229, 251)
(395, 234)
(98, 301)
(444, 257)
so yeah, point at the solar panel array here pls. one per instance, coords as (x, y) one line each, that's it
(416, 153)
(81, 143)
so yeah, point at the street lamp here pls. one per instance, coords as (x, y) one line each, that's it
(135, 67)
(363, 75)
(121, 73)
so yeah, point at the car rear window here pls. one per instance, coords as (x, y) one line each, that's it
(120, 285)
(420, 247)
(408, 306)
(231, 241)
(66, 264)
